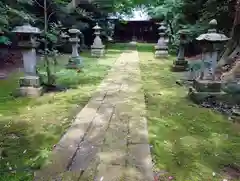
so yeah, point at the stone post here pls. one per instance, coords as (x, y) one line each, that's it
(181, 64)
(75, 60)
(162, 44)
(30, 83)
(97, 49)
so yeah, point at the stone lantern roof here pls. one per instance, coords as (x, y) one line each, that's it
(74, 31)
(97, 27)
(212, 35)
(26, 28)
(162, 28)
(64, 35)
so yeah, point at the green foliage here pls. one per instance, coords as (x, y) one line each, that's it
(4, 40)
(193, 15)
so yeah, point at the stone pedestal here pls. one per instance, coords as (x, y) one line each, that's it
(30, 86)
(97, 51)
(74, 63)
(180, 66)
(133, 45)
(161, 52)
(203, 89)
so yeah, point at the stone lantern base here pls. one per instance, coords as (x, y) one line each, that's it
(203, 89)
(161, 52)
(30, 86)
(207, 85)
(180, 66)
(97, 51)
(74, 63)
(133, 44)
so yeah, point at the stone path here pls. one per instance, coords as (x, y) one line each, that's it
(108, 140)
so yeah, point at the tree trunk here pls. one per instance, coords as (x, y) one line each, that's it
(171, 31)
(232, 45)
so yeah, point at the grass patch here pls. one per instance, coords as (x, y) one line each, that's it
(30, 127)
(189, 142)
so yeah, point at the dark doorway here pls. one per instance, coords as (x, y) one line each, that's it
(143, 31)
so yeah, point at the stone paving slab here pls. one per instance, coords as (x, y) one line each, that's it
(110, 173)
(108, 141)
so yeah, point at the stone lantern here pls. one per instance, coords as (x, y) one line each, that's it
(162, 44)
(75, 60)
(111, 27)
(30, 83)
(181, 64)
(207, 83)
(97, 49)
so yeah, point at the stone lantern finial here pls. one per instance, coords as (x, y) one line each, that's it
(26, 20)
(213, 26)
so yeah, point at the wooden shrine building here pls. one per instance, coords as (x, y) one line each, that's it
(143, 31)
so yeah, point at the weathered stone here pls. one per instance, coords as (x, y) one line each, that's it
(110, 173)
(69, 176)
(180, 66)
(89, 174)
(209, 41)
(114, 149)
(199, 97)
(100, 124)
(97, 52)
(29, 81)
(140, 162)
(207, 86)
(74, 63)
(30, 91)
(138, 130)
(86, 154)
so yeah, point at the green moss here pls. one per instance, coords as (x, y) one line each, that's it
(189, 142)
(30, 127)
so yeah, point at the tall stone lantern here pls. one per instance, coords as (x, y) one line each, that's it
(75, 60)
(181, 64)
(97, 49)
(30, 82)
(162, 44)
(207, 84)
(111, 27)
